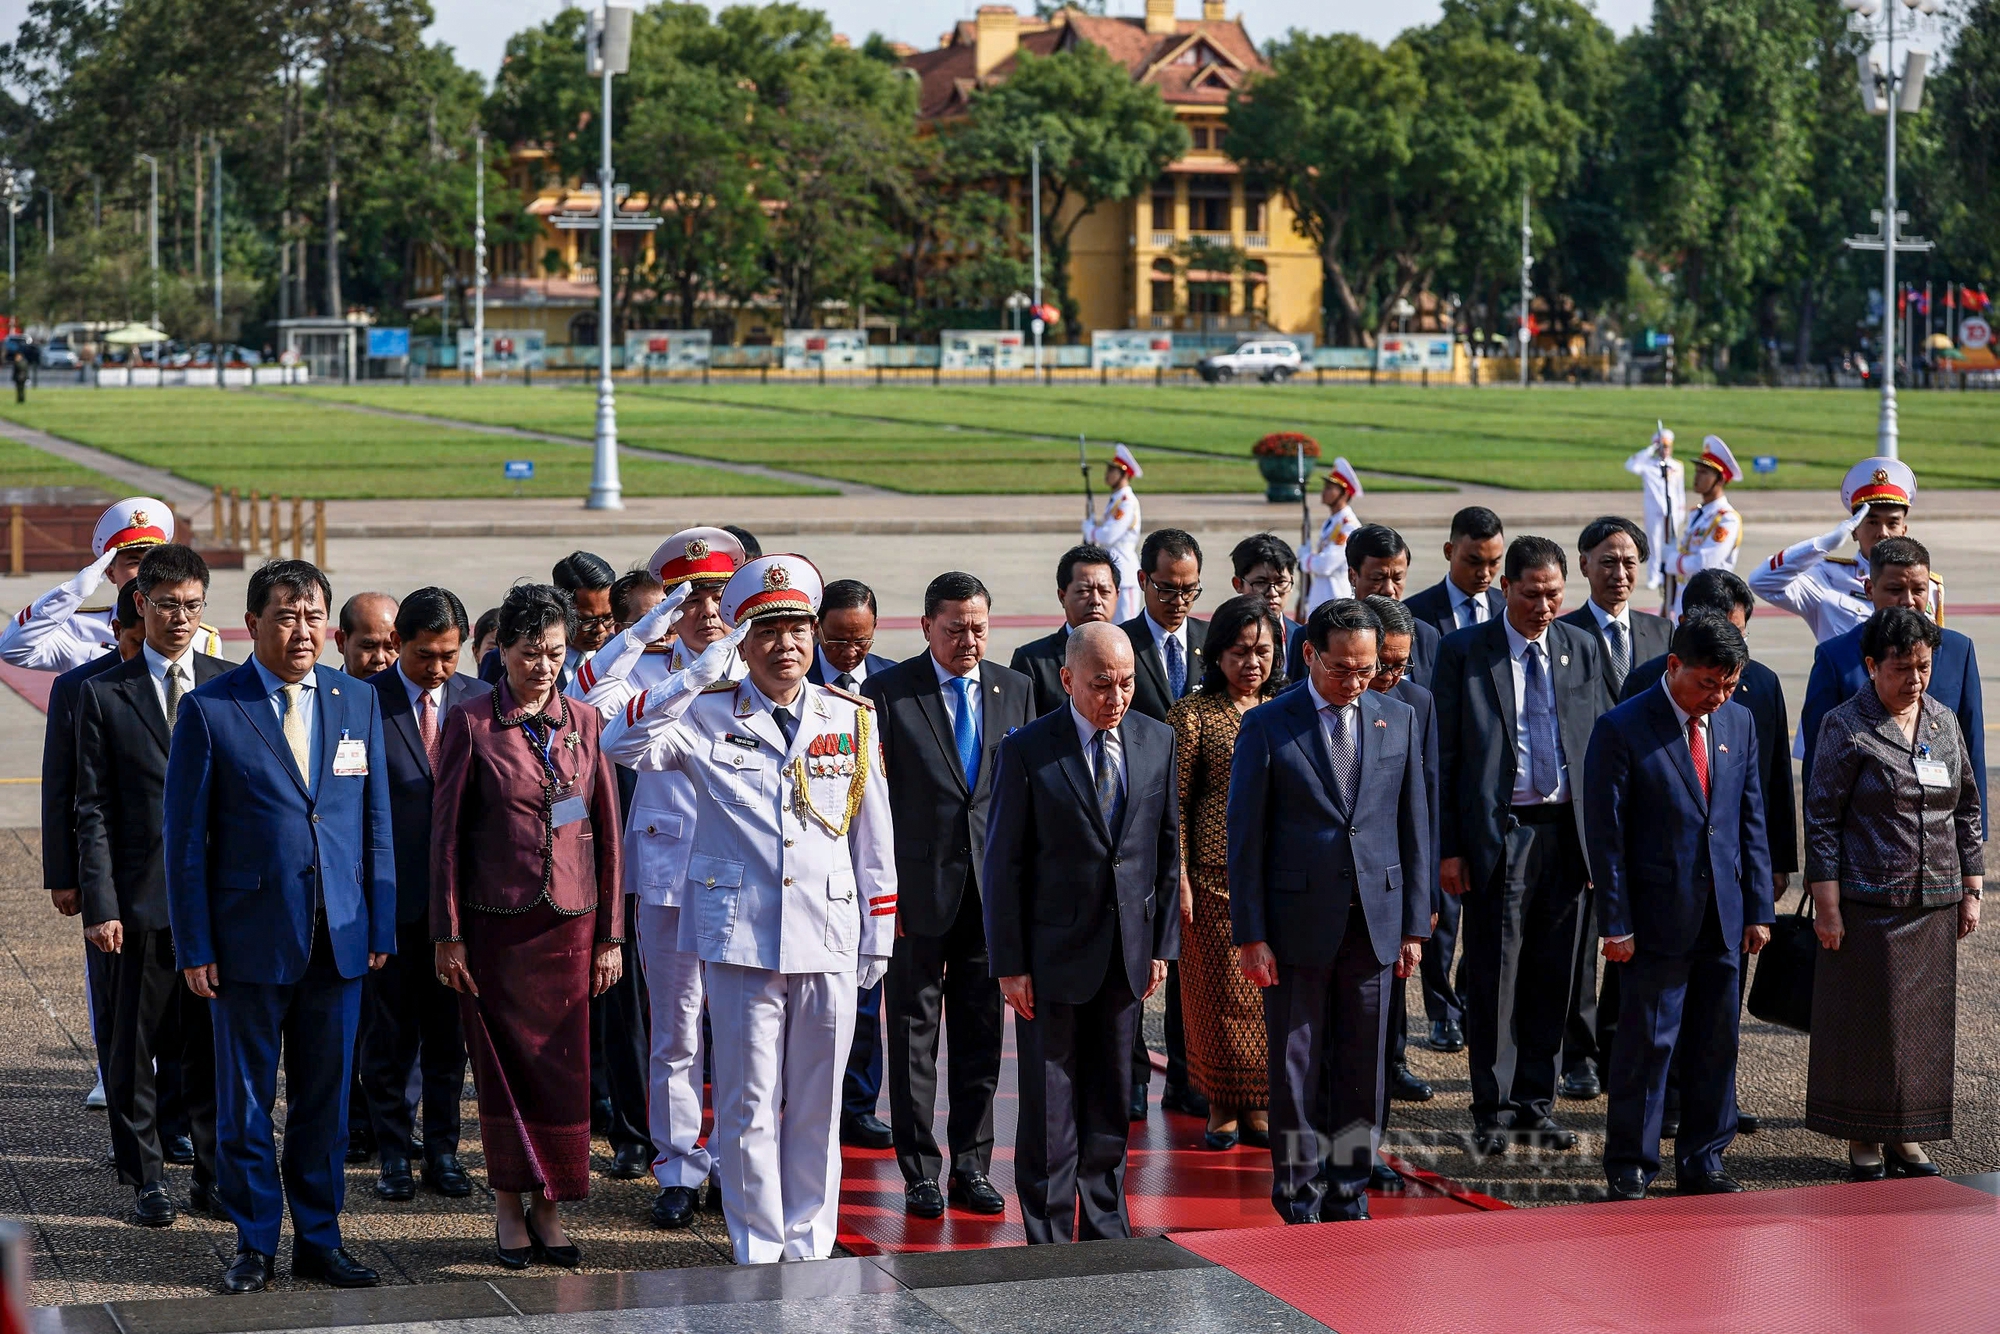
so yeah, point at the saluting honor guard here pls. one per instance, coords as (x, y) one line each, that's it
(1663, 483)
(693, 566)
(1830, 591)
(1714, 532)
(55, 632)
(1324, 563)
(790, 895)
(1118, 531)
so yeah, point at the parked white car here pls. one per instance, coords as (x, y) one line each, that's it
(59, 355)
(1273, 360)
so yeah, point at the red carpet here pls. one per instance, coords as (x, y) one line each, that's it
(1885, 1258)
(1172, 1184)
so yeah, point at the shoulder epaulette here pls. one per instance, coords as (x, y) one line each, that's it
(1842, 560)
(862, 700)
(1937, 578)
(718, 687)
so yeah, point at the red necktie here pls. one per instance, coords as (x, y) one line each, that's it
(1698, 753)
(427, 728)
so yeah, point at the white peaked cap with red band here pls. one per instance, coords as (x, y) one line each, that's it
(1664, 436)
(1878, 481)
(1123, 458)
(136, 521)
(1343, 472)
(1717, 456)
(783, 585)
(700, 555)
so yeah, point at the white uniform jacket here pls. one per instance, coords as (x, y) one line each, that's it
(659, 831)
(50, 634)
(1711, 540)
(1824, 589)
(1325, 561)
(1118, 531)
(793, 867)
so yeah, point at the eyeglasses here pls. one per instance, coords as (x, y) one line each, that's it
(1394, 671)
(1266, 586)
(178, 611)
(604, 622)
(1350, 677)
(850, 645)
(1173, 594)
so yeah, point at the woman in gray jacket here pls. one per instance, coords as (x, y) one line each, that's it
(1894, 862)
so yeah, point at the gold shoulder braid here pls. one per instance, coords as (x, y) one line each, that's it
(802, 802)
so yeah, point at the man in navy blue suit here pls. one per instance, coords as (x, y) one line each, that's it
(281, 888)
(1674, 832)
(1899, 575)
(1466, 595)
(1330, 875)
(1378, 565)
(846, 630)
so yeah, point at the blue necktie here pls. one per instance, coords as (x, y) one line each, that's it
(788, 726)
(1544, 769)
(1176, 668)
(965, 731)
(1110, 796)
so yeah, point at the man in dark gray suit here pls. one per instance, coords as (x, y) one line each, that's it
(1087, 588)
(1329, 898)
(1516, 699)
(1465, 596)
(410, 1011)
(1611, 554)
(941, 716)
(1082, 896)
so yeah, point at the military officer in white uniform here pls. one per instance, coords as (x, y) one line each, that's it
(55, 633)
(1324, 563)
(1829, 591)
(693, 566)
(790, 899)
(1118, 531)
(1663, 483)
(1713, 534)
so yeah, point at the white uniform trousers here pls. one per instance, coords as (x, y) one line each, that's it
(781, 1043)
(673, 1103)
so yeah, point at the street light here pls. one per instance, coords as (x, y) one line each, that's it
(1035, 206)
(1884, 91)
(479, 258)
(610, 52)
(153, 215)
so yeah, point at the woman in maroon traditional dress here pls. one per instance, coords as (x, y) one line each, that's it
(527, 913)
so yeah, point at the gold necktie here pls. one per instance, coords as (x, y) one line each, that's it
(296, 735)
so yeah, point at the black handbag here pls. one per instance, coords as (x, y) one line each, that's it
(1782, 991)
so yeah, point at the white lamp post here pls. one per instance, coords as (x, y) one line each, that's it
(610, 47)
(479, 266)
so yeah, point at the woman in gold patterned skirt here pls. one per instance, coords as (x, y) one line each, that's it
(1222, 1011)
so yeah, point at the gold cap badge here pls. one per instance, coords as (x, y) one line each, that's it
(697, 549)
(776, 577)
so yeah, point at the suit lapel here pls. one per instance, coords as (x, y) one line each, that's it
(402, 720)
(144, 700)
(930, 702)
(330, 707)
(1500, 669)
(1153, 665)
(990, 729)
(1311, 738)
(256, 706)
(1667, 726)
(1076, 767)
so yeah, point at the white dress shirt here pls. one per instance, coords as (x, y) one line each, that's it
(413, 690)
(1604, 618)
(308, 706)
(156, 667)
(1459, 598)
(1086, 732)
(1332, 718)
(1524, 774)
(951, 695)
(1161, 635)
(827, 671)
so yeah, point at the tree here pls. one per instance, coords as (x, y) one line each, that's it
(1964, 103)
(1103, 139)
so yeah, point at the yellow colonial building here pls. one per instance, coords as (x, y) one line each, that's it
(1136, 264)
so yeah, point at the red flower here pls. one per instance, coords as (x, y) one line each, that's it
(1285, 444)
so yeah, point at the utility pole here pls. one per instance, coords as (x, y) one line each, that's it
(153, 223)
(215, 142)
(610, 53)
(1527, 287)
(479, 255)
(13, 208)
(1036, 323)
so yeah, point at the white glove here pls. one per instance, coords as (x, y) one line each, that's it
(713, 664)
(655, 622)
(872, 967)
(1844, 533)
(91, 575)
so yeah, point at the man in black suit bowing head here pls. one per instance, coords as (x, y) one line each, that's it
(409, 1009)
(1465, 596)
(1082, 889)
(1087, 588)
(942, 715)
(1516, 699)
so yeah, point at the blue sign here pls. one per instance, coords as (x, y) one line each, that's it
(1765, 463)
(520, 470)
(388, 342)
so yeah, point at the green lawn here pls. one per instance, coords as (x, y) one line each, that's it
(24, 466)
(325, 452)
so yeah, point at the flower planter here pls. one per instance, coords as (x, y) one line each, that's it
(1281, 478)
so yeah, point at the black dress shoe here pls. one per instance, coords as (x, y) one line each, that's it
(444, 1175)
(1446, 1035)
(360, 1146)
(510, 1257)
(1626, 1188)
(396, 1183)
(1406, 1087)
(1581, 1084)
(1544, 1133)
(1670, 1127)
(600, 1116)
(1137, 1111)
(178, 1150)
(250, 1272)
(1220, 1141)
(712, 1201)
(1867, 1171)
(1490, 1141)
(1253, 1137)
(631, 1162)
(331, 1266)
(1899, 1166)
(1181, 1098)
(204, 1201)
(972, 1192)
(562, 1257)
(1748, 1123)
(1384, 1177)
(865, 1131)
(1717, 1182)
(151, 1207)
(673, 1206)
(923, 1199)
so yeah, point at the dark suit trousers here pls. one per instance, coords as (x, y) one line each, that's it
(98, 973)
(409, 1013)
(156, 1022)
(309, 1025)
(1675, 1010)
(1441, 999)
(1175, 1036)
(1325, 1029)
(861, 1089)
(1069, 1145)
(1581, 1029)
(621, 1045)
(1519, 933)
(948, 972)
